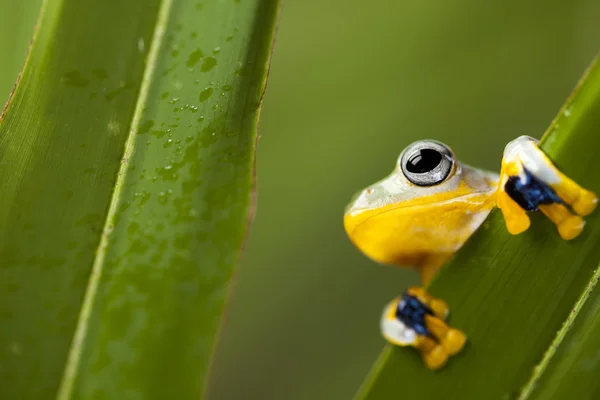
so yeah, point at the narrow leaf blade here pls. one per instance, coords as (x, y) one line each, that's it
(572, 369)
(181, 207)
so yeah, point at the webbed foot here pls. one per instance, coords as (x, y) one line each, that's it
(529, 181)
(417, 319)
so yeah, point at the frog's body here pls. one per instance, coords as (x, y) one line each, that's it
(429, 206)
(396, 222)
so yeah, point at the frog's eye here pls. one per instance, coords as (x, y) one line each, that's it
(426, 163)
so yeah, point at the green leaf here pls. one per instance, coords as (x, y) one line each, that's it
(570, 370)
(126, 173)
(522, 300)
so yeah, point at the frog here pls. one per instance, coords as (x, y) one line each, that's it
(427, 208)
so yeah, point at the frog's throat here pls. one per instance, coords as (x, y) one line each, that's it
(420, 235)
(480, 200)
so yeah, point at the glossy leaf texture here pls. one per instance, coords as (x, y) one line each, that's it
(126, 173)
(526, 302)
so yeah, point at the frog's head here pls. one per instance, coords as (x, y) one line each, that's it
(424, 210)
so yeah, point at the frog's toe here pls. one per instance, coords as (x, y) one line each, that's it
(515, 217)
(439, 308)
(569, 225)
(586, 203)
(454, 341)
(451, 339)
(436, 358)
(581, 200)
(434, 355)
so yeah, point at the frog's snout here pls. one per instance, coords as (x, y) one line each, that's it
(358, 198)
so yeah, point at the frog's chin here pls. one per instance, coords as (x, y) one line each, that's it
(412, 233)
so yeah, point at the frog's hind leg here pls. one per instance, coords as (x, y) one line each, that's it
(529, 181)
(400, 326)
(417, 319)
(399, 332)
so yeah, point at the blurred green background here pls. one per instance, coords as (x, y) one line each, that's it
(351, 84)
(17, 20)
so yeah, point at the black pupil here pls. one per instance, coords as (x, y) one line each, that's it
(423, 161)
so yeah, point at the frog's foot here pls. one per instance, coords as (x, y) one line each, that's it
(417, 319)
(529, 181)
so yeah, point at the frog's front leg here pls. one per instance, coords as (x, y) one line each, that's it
(529, 181)
(417, 319)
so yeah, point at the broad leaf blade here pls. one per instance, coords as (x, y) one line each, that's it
(126, 175)
(181, 208)
(511, 294)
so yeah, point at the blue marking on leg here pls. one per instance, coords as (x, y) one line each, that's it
(412, 313)
(529, 192)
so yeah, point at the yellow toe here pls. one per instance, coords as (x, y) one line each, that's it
(517, 220)
(454, 341)
(436, 358)
(439, 308)
(517, 224)
(586, 203)
(571, 227)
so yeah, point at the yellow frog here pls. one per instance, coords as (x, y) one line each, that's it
(427, 208)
